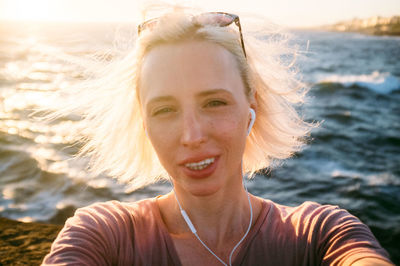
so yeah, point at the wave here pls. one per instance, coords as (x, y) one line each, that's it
(381, 83)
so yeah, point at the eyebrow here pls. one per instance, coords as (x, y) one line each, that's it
(213, 91)
(201, 94)
(160, 99)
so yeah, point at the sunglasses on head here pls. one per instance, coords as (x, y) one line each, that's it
(217, 19)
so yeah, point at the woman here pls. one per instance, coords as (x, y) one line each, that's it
(186, 99)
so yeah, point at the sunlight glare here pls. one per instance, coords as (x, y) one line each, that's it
(40, 10)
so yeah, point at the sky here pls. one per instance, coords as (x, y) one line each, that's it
(294, 13)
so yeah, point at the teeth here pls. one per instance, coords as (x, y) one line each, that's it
(200, 165)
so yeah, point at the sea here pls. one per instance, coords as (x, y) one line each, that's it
(352, 158)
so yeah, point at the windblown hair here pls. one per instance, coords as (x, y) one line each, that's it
(115, 138)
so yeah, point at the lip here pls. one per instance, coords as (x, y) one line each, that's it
(197, 158)
(200, 174)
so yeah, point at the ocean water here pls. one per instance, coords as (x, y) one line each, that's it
(352, 160)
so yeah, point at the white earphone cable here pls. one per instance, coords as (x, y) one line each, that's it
(248, 228)
(193, 229)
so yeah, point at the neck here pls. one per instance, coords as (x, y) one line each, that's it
(218, 218)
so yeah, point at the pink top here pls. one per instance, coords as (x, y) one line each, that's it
(117, 233)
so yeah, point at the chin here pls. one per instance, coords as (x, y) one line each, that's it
(203, 190)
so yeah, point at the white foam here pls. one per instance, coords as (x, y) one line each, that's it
(382, 83)
(372, 179)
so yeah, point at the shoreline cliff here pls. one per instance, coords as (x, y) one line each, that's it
(373, 26)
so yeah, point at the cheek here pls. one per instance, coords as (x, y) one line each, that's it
(165, 141)
(166, 152)
(162, 140)
(230, 131)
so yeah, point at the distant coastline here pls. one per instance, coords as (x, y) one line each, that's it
(373, 26)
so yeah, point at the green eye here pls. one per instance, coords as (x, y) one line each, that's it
(162, 111)
(215, 103)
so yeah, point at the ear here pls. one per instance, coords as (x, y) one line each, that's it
(253, 101)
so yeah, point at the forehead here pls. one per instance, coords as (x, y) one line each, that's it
(188, 67)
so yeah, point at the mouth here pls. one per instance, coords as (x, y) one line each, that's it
(200, 165)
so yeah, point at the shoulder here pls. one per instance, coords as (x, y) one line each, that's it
(313, 216)
(112, 219)
(307, 214)
(313, 220)
(305, 219)
(114, 210)
(110, 215)
(100, 232)
(305, 210)
(330, 233)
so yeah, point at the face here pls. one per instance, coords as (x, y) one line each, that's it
(196, 114)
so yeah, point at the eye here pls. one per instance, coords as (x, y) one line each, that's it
(215, 103)
(163, 110)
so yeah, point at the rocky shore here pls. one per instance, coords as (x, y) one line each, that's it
(373, 26)
(25, 243)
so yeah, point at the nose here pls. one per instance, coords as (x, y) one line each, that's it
(193, 130)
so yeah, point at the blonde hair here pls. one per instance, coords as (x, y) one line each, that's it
(115, 138)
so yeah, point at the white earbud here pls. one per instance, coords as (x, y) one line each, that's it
(252, 120)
